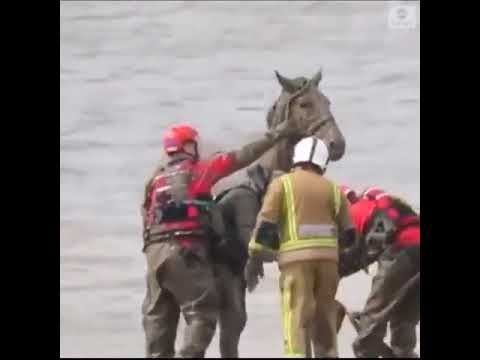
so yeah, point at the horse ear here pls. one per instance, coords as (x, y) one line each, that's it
(287, 84)
(317, 77)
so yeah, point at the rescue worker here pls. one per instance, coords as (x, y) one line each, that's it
(391, 232)
(239, 206)
(180, 222)
(298, 225)
(352, 258)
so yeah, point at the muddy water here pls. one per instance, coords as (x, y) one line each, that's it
(129, 69)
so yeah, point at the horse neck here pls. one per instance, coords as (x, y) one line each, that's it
(278, 157)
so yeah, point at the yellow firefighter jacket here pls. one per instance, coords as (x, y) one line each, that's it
(310, 211)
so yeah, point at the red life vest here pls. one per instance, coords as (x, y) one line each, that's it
(404, 217)
(361, 213)
(175, 195)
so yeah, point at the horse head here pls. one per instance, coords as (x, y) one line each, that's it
(302, 102)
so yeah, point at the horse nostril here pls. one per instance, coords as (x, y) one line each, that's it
(336, 149)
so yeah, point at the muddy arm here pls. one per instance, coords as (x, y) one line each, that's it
(354, 258)
(251, 152)
(411, 285)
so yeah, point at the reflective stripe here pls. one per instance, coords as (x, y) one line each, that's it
(306, 243)
(289, 324)
(292, 241)
(316, 230)
(290, 203)
(287, 319)
(337, 199)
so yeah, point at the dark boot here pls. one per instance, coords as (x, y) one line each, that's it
(394, 270)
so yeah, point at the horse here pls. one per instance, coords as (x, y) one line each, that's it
(302, 102)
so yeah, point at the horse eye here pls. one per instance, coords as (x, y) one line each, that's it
(306, 104)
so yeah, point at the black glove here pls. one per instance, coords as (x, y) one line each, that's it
(352, 259)
(225, 251)
(219, 248)
(237, 266)
(253, 273)
(349, 263)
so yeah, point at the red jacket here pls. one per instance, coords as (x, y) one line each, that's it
(407, 222)
(197, 179)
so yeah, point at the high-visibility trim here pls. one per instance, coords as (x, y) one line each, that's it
(290, 204)
(291, 239)
(337, 198)
(294, 355)
(316, 230)
(306, 243)
(287, 318)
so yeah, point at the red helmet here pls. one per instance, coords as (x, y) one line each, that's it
(349, 193)
(374, 193)
(175, 138)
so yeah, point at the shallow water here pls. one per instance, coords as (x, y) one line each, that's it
(129, 69)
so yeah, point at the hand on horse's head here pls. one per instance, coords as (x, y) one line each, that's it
(288, 128)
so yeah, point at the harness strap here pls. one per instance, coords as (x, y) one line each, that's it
(150, 238)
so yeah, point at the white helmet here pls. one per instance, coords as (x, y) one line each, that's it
(312, 150)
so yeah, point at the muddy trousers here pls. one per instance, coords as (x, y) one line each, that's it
(395, 268)
(308, 291)
(178, 282)
(233, 314)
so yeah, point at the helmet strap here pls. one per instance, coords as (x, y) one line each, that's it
(195, 155)
(312, 149)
